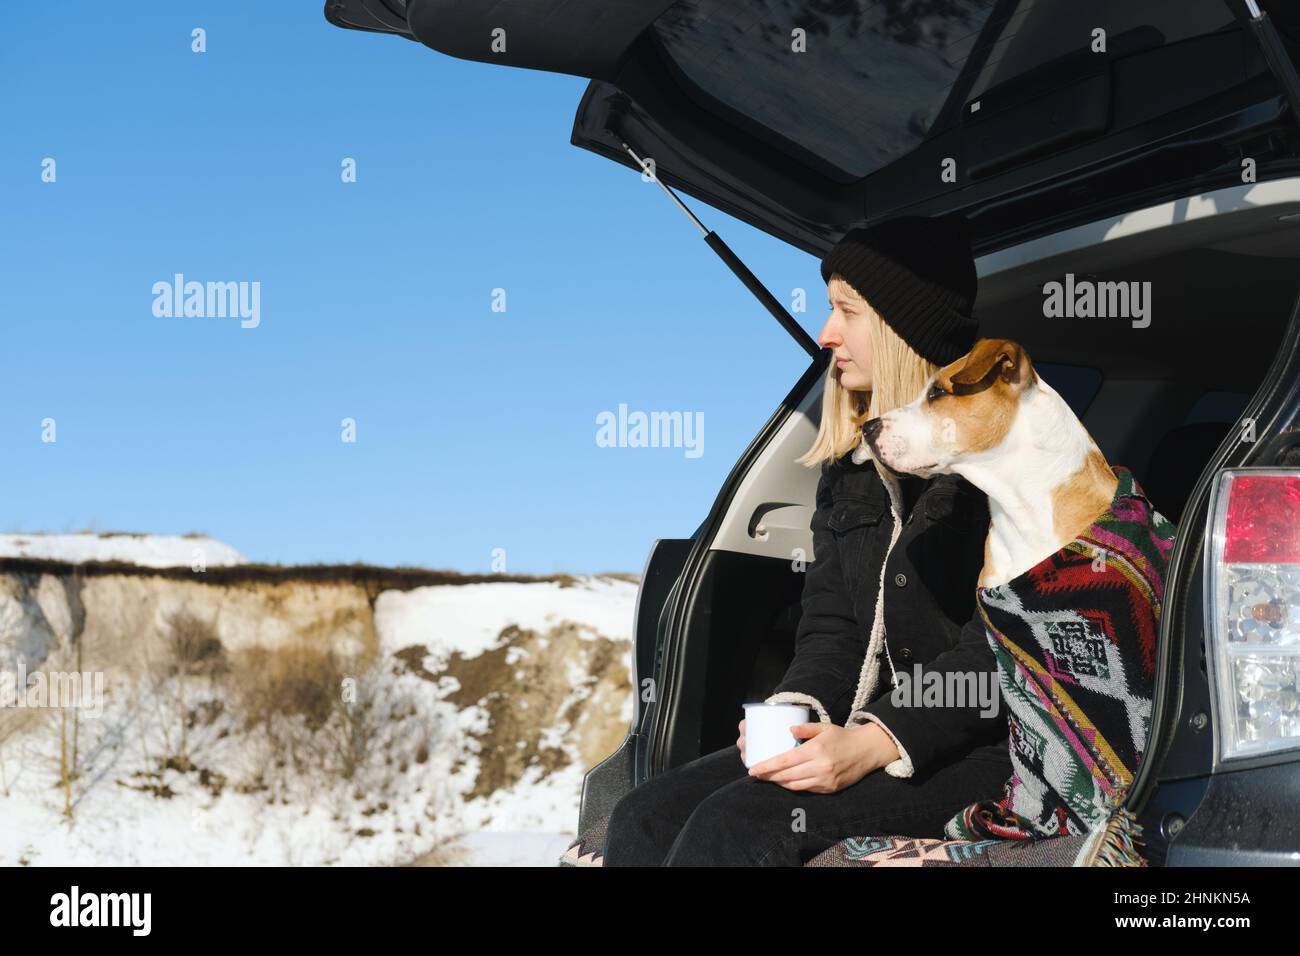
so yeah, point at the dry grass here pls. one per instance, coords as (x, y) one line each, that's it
(370, 578)
(322, 716)
(296, 680)
(193, 647)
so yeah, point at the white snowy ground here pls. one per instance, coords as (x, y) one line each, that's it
(528, 824)
(151, 551)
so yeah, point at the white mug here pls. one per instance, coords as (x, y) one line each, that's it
(767, 729)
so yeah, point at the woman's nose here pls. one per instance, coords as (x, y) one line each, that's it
(826, 339)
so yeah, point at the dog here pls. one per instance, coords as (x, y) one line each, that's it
(1070, 592)
(991, 419)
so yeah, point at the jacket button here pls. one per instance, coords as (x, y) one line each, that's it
(900, 579)
(905, 654)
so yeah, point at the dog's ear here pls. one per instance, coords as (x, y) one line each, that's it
(990, 360)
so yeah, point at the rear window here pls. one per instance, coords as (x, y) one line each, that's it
(836, 106)
(879, 76)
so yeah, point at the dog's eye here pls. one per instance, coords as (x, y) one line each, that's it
(934, 393)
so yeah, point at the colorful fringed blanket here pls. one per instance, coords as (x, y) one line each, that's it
(1075, 641)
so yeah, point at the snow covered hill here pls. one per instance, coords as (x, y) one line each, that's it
(146, 550)
(264, 715)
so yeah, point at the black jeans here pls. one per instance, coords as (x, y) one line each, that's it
(710, 812)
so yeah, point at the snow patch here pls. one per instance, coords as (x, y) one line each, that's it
(146, 550)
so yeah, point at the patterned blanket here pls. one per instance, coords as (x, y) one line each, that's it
(916, 851)
(1075, 641)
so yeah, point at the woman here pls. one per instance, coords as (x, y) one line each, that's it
(885, 600)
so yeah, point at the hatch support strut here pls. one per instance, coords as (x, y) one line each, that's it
(733, 262)
(1275, 55)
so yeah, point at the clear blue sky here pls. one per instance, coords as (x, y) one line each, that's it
(475, 429)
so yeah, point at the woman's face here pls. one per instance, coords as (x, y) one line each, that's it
(847, 333)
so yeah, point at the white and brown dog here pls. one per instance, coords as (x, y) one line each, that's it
(1070, 593)
(989, 418)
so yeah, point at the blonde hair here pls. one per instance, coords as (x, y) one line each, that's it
(898, 374)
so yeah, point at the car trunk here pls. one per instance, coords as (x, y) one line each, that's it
(1161, 400)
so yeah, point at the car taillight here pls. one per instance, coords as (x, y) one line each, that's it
(1252, 594)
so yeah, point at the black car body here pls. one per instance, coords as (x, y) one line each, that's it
(1126, 141)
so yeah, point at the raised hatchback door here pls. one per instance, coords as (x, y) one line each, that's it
(1022, 115)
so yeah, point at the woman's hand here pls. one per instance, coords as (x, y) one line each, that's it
(740, 741)
(830, 759)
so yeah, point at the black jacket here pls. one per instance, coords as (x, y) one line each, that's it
(930, 617)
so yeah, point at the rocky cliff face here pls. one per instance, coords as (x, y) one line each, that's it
(394, 710)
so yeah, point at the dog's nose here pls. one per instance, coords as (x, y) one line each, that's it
(871, 429)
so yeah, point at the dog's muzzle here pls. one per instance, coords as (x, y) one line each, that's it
(871, 431)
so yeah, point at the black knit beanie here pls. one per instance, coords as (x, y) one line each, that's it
(918, 273)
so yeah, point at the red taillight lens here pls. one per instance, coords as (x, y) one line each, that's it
(1252, 593)
(1263, 521)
